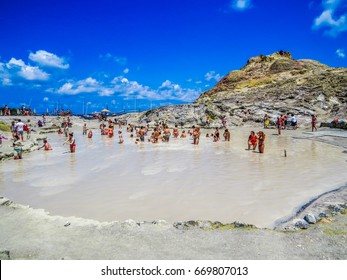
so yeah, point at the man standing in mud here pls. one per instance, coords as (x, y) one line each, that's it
(167, 134)
(142, 134)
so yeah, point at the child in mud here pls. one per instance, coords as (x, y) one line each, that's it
(18, 147)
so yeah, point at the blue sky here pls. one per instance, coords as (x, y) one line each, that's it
(123, 54)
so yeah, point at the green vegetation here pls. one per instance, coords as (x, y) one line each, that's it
(4, 127)
(254, 83)
(235, 225)
(332, 232)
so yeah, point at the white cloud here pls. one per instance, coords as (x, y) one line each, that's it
(83, 86)
(6, 82)
(241, 5)
(45, 58)
(212, 75)
(331, 19)
(341, 53)
(45, 99)
(4, 76)
(126, 71)
(166, 91)
(18, 67)
(117, 59)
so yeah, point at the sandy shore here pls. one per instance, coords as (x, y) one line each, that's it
(27, 233)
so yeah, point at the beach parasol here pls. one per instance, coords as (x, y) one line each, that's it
(105, 111)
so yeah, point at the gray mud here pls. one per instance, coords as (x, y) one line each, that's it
(33, 234)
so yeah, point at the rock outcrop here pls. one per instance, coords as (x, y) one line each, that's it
(274, 84)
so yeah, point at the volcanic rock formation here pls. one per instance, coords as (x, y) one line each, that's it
(273, 84)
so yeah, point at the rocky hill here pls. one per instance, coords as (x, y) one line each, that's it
(273, 84)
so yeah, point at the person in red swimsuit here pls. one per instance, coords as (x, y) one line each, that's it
(72, 142)
(252, 141)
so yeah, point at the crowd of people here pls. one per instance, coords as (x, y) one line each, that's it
(161, 132)
(26, 111)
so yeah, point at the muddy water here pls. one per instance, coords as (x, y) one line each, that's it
(175, 181)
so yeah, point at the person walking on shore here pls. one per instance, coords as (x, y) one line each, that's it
(20, 129)
(314, 123)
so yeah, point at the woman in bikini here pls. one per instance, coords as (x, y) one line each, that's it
(72, 142)
(261, 139)
(175, 132)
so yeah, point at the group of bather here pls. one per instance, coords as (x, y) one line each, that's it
(160, 133)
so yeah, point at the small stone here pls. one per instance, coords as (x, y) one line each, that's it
(301, 224)
(322, 215)
(310, 218)
(178, 225)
